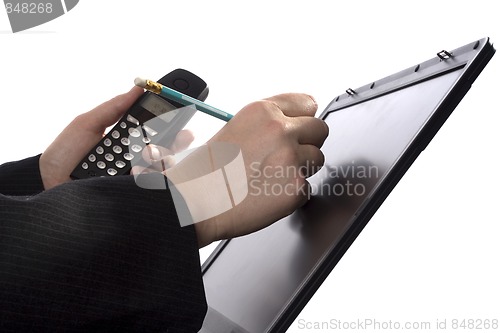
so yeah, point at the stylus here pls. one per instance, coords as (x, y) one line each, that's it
(179, 97)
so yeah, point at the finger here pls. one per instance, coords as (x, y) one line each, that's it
(295, 105)
(306, 191)
(163, 164)
(108, 113)
(182, 141)
(156, 166)
(139, 170)
(309, 130)
(311, 159)
(153, 153)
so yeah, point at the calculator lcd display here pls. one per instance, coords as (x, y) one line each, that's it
(158, 107)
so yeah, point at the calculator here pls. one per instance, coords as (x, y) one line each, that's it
(152, 119)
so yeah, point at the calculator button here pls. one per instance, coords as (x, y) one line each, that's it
(125, 141)
(118, 149)
(136, 148)
(99, 150)
(109, 157)
(85, 166)
(115, 134)
(128, 156)
(132, 120)
(120, 164)
(101, 165)
(146, 140)
(92, 158)
(123, 124)
(112, 172)
(149, 130)
(134, 132)
(107, 142)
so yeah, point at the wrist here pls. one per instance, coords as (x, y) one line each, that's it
(206, 187)
(206, 232)
(49, 178)
(190, 209)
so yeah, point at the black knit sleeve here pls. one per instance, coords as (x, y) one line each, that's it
(98, 255)
(21, 177)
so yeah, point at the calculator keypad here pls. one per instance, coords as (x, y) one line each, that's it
(125, 143)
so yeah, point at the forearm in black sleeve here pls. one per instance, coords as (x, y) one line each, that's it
(98, 255)
(21, 177)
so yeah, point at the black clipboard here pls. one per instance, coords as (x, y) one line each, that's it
(260, 282)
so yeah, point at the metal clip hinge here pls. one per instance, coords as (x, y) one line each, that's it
(350, 92)
(444, 55)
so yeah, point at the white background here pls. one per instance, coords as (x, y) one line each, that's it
(430, 252)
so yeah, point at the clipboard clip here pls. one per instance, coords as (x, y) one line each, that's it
(350, 92)
(444, 55)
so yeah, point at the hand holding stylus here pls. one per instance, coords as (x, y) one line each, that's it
(278, 133)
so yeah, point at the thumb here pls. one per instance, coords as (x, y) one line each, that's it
(108, 113)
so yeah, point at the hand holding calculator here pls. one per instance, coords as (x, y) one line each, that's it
(151, 119)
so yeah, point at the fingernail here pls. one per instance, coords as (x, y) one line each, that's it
(314, 101)
(154, 153)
